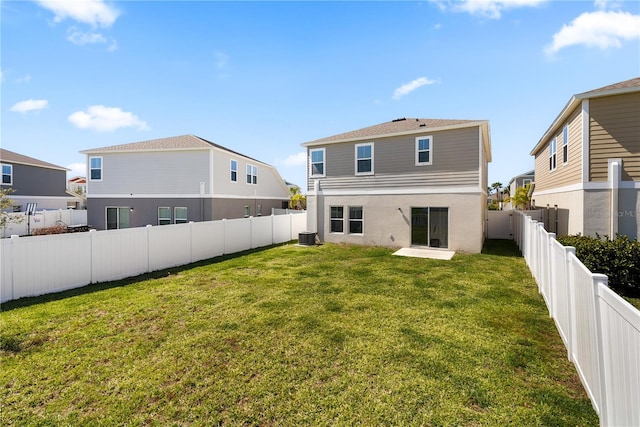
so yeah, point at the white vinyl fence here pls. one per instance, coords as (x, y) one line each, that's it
(599, 328)
(39, 265)
(22, 224)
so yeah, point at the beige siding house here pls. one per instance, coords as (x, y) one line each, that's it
(177, 180)
(587, 164)
(408, 182)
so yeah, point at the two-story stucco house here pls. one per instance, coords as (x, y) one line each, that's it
(35, 181)
(587, 164)
(176, 180)
(407, 182)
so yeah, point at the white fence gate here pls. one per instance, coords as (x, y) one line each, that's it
(500, 223)
(599, 328)
(44, 264)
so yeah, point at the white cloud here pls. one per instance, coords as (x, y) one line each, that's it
(30, 105)
(94, 12)
(104, 119)
(410, 87)
(607, 4)
(80, 38)
(24, 79)
(297, 159)
(602, 29)
(491, 9)
(77, 169)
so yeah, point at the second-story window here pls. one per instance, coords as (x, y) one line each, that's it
(95, 168)
(234, 171)
(252, 174)
(565, 144)
(317, 162)
(423, 150)
(552, 154)
(7, 174)
(364, 159)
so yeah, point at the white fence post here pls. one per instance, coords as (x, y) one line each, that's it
(571, 306)
(598, 281)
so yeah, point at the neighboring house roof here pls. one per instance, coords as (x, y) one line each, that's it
(523, 175)
(173, 143)
(11, 157)
(403, 126)
(627, 86)
(78, 180)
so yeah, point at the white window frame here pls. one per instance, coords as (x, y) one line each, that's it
(350, 220)
(10, 174)
(180, 220)
(252, 174)
(336, 219)
(553, 151)
(430, 150)
(247, 211)
(232, 170)
(101, 168)
(324, 163)
(371, 159)
(161, 219)
(526, 181)
(565, 145)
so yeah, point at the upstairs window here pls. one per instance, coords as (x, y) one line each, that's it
(252, 174)
(317, 162)
(364, 159)
(552, 154)
(95, 168)
(164, 215)
(7, 174)
(423, 150)
(565, 144)
(234, 171)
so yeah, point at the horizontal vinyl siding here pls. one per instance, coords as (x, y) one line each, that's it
(269, 182)
(36, 181)
(169, 172)
(455, 162)
(564, 174)
(615, 133)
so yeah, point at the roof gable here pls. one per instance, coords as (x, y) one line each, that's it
(11, 157)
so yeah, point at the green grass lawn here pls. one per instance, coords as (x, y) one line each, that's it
(290, 335)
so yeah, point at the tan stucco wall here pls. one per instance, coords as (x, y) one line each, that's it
(386, 225)
(570, 207)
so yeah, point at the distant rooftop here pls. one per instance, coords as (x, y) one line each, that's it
(11, 157)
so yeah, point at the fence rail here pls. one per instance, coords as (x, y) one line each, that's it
(599, 328)
(44, 264)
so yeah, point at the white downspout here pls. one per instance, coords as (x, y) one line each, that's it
(615, 175)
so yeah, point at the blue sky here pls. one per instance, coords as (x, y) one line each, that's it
(263, 77)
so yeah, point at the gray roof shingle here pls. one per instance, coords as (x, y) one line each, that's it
(11, 157)
(398, 126)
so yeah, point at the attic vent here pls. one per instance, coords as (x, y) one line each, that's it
(399, 120)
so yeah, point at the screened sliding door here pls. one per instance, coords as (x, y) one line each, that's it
(430, 227)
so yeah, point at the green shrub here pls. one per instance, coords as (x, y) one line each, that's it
(619, 259)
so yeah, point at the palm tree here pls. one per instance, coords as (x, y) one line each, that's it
(297, 200)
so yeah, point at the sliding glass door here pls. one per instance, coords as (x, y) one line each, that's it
(430, 227)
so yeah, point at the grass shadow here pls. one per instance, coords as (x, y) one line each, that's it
(501, 247)
(101, 286)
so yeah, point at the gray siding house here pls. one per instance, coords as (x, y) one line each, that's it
(176, 180)
(408, 182)
(35, 181)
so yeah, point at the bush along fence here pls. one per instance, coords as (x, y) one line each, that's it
(45, 264)
(600, 330)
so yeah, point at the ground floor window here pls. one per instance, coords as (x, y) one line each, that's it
(164, 215)
(180, 215)
(430, 227)
(118, 217)
(337, 219)
(356, 220)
